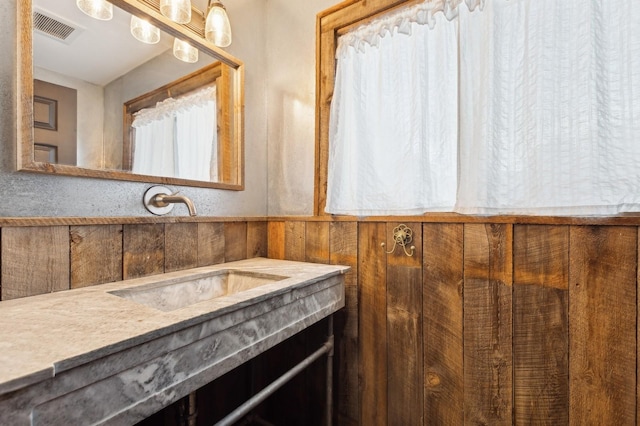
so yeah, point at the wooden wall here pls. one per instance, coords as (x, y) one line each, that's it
(41, 259)
(492, 323)
(488, 323)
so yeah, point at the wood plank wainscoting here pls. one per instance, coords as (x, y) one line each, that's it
(493, 321)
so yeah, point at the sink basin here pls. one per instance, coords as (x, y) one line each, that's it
(174, 294)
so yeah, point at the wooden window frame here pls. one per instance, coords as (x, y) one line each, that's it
(330, 24)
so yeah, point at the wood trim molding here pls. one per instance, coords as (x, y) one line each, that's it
(627, 220)
(433, 218)
(115, 220)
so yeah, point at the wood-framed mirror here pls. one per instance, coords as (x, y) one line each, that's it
(96, 134)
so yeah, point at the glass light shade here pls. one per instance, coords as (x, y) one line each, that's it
(177, 10)
(144, 31)
(98, 9)
(184, 51)
(217, 28)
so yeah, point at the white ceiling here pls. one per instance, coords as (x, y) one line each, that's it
(102, 50)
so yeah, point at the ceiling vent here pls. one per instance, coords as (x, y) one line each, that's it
(49, 25)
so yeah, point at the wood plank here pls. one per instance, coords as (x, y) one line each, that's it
(210, 243)
(488, 361)
(180, 246)
(372, 326)
(96, 255)
(316, 243)
(316, 249)
(257, 239)
(294, 236)
(343, 237)
(405, 397)
(443, 322)
(34, 261)
(235, 241)
(541, 325)
(325, 76)
(275, 239)
(541, 368)
(227, 148)
(143, 250)
(542, 256)
(602, 312)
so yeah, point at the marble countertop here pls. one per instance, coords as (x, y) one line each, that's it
(41, 336)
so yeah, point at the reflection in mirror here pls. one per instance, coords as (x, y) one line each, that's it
(178, 136)
(107, 105)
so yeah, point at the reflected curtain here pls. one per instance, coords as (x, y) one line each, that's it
(196, 130)
(178, 137)
(153, 149)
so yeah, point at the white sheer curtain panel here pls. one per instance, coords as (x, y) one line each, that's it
(153, 147)
(393, 125)
(196, 138)
(178, 137)
(550, 108)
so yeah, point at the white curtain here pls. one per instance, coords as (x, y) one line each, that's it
(394, 111)
(196, 130)
(153, 147)
(550, 108)
(548, 112)
(178, 137)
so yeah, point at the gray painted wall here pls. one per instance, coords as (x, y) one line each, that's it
(291, 92)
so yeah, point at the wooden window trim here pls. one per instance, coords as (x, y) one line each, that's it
(330, 24)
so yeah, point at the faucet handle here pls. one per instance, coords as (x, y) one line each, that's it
(152, 200)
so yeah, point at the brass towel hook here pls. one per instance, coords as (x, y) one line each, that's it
(402, 235)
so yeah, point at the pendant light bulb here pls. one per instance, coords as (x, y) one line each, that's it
(184, 51)
(178, 11)
(144, 31)
(98, 9)
(217, 28)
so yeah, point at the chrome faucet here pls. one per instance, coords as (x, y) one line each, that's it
(160, 200)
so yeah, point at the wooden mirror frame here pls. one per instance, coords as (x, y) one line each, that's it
(192, 32)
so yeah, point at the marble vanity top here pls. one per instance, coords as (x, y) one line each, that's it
(42, 336)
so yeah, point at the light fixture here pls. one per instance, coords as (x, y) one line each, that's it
(144, 31)
(177, 10)
(98, 9)
(184, 51)
(217, 28)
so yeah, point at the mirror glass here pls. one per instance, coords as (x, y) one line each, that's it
(108, 105)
